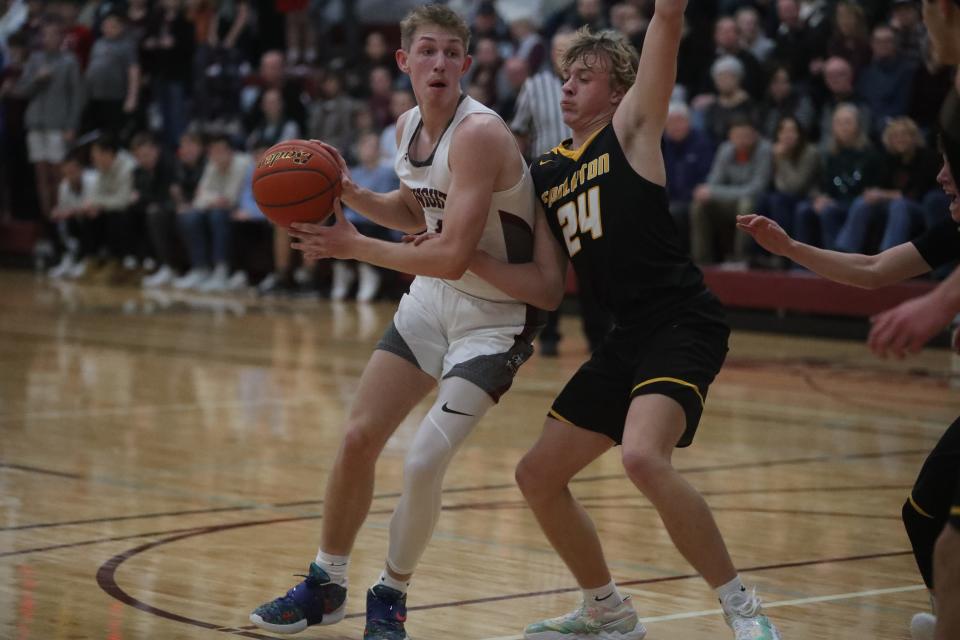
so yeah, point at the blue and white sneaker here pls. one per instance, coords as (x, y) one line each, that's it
(315, 601)
(748, 621)
(386, 613)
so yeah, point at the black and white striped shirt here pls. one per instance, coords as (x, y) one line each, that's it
(538, 113)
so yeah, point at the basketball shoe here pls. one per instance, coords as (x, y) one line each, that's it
(386, 613)
(590, 623)
(316, 600)
(748, 622)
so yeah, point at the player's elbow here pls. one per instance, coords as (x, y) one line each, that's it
(453, 268)
(552, 298)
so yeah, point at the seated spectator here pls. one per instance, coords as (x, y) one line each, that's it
(376, 53)
(849, 166)
(795, 166)
(69, 213)
(332, 115)
(908, 177)
(272, 75)
(687, 157)
(850, 39)
(626, 18)
(116, 231)
(530, 46)
(373, 174)
(731, 103)
(401, 101)
(739, 175)
(907, 24)
(206, 226)
(838, 77)
(152, 179)
(187, 171)
(885, 83)
(784, 100)
(381, 90)
(794, 42)
(726, 37)
(275, 126)
(752, 37)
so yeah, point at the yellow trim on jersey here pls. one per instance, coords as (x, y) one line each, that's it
(676, 380)
(554, 414)
(575, 155)
(913, 503)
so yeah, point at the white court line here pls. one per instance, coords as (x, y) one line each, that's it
(766, 605)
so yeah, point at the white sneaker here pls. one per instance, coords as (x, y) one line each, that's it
(237, 281)
(590, 622)
(369, 283)
(62, 269)
(191, 279)
(922, 626)
(78, 270)
(216, 282)
(748, 621)
(343, 277)
(163, 276)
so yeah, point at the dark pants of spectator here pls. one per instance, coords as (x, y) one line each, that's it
(862, 218)
(714, 230)
(819, 229)
(105, 116)
(207, 234)
(18, 192)
(171, 97)
(164, 239)
(112, 234)
(252, 242)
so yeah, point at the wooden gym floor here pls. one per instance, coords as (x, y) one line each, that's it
(162, 461)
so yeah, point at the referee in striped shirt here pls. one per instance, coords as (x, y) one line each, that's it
(538, 125)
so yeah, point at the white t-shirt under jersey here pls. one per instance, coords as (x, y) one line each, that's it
(508, 231)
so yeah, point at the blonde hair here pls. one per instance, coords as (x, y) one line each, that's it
(861, 142)
(433, 14)
(618, 55)
(907, 125)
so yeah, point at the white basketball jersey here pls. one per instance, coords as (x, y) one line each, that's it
(508, 232)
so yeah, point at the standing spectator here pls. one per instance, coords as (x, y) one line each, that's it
(885, 82)
(275, 125)
(373, 174)
(16, 177)
(529, 44)
(738, 177)
(332, 115)
(908, 175)
(152, 201)
(229, 28)
(299, 33)
(77, 37)
(795, 166)
(731, 101)
(51, 81)
(167, 54)
(850, 39)
(112, 80)
(206, 227)
(849, 166)
(401, 101)
(838, 76)
(784, 99)
(687, 157)
(752, 37)
(272, 75)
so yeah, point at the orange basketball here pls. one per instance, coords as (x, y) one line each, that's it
(296, 181)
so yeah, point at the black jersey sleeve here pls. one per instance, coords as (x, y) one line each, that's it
(940, 243)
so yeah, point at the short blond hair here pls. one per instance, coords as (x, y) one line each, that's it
(612, 46)
(906, 124)
(433, 14)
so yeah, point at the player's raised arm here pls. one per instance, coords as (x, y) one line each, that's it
(639, 119)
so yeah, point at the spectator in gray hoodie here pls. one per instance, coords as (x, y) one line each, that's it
(739, 176)
(52, 84)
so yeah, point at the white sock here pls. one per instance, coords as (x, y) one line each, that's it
(335, 566)
(606, 596)
(733, 594)
(393, 583)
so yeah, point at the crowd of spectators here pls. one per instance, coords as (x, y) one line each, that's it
(129, 128)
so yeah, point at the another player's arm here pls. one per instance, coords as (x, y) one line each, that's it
(473, 177)
(396, 209)
(642, 114)
(869, 272)
(540, 282)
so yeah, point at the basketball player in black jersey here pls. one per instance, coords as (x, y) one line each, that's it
(644, 387)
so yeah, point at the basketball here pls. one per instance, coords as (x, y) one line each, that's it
(296, 181)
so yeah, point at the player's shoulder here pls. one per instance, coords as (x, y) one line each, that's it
(484, 134)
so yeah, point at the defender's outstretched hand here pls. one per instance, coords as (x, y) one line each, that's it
(906, 328)
(317, 240)
(766, 232)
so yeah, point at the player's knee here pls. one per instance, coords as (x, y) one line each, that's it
(359, 446)
(644, 468)
(423, 468)
(534, 480)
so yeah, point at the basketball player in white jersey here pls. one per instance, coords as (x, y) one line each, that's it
(460, 171)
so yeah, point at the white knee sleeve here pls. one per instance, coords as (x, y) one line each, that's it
(458, 408)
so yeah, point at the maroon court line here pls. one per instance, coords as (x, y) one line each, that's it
(47, 472)
(598, 478)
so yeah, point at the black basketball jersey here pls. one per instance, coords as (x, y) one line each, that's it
(617, 229)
